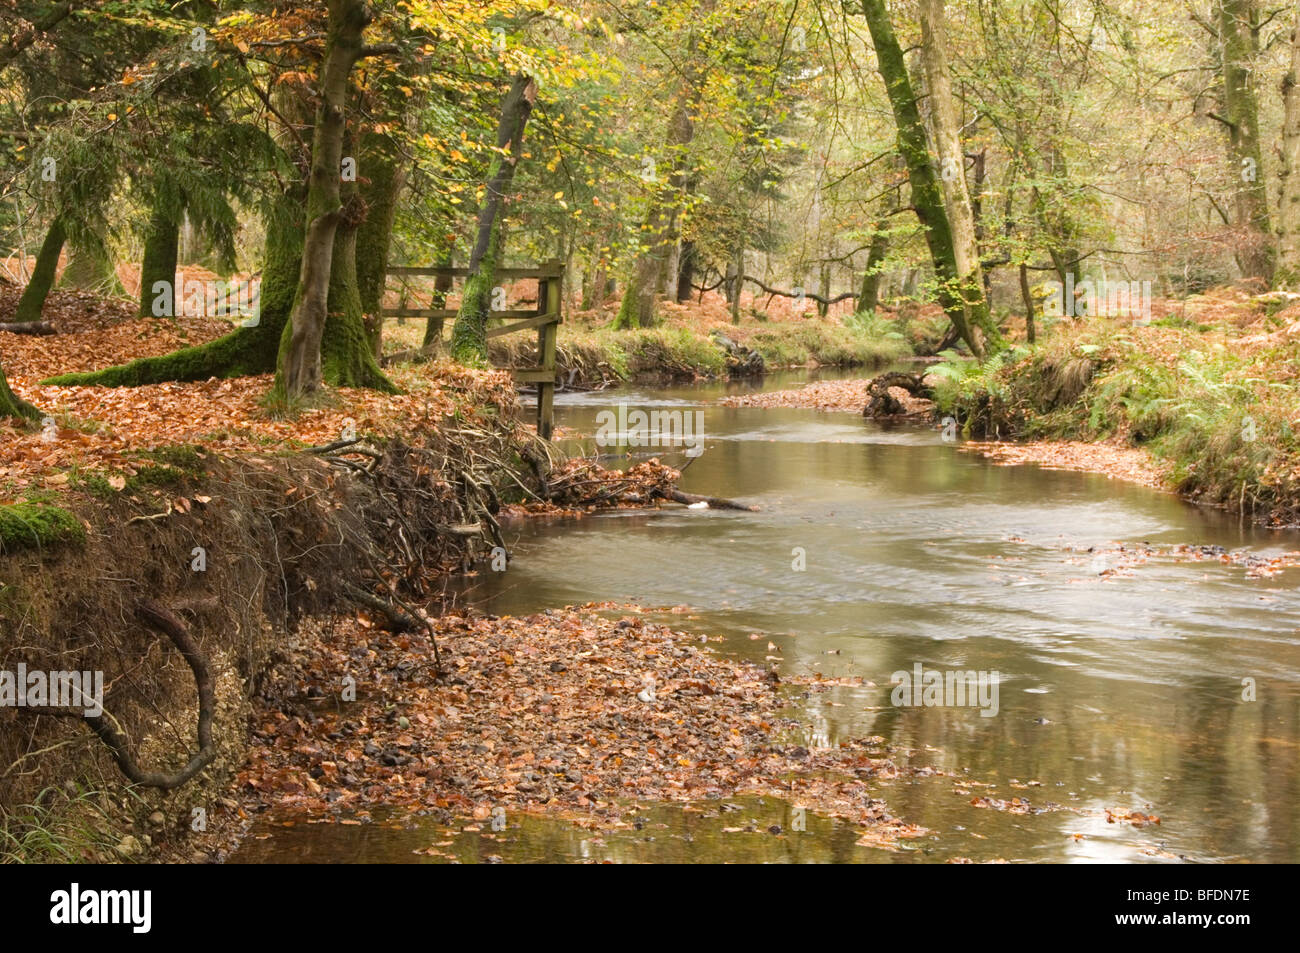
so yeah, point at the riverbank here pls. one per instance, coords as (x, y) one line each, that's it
(686, 344)
(276, 543)
(608, 712)
(1203, 403)
(1209, 393)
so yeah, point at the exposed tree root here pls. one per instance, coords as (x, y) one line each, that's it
(105, 726)
(882, 403)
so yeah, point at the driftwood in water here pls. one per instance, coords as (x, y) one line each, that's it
(881, 403)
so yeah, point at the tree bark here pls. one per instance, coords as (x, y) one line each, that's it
(1289, 202)
(347, 353)
(869, 294)
(1028, 299)
(738, 281)
(11, 405)
(32, 301)
(469, 335)
(441, 288)
(160, 250)
(90, 267)
(1239, 48)
(952, 163)
(927, 197)
(299, 366)
(685, 272)
(381, 159)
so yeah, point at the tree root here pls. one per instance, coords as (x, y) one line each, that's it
(162, 620)
(881, 403)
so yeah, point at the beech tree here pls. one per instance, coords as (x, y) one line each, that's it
(469, 334)
(927, 196)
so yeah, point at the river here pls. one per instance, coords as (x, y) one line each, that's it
(1121, 677)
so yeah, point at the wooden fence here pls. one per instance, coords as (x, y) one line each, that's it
(546, 318)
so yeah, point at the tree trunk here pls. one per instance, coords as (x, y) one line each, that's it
(659, 230)
(159, 262)
(441, 288)
(90, 267)
(47, 265)
(348, 357)
(1239, 49)
(685, 272)
(927, 198)
(869, 294)
(298, 366)
(11, 405)
(1289, 202)
(952, 163)
(1029, 302)
(380, 158)
(737, 281)
(469, 335)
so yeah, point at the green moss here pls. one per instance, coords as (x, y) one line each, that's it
(96, 484)
(33, 525)
(155, 476)
(182, 456)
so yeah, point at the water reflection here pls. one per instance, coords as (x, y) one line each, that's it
(1118, 692)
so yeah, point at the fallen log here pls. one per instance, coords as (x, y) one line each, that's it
(882, 403)
(27, 327)
(715, 502)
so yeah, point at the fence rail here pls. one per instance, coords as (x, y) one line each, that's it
(545, 318)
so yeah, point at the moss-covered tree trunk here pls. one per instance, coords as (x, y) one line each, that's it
(158, 265)
(299, 365)
(384, 169)
(658, 231)
(469, 335)
(952, 162)
(1239, 47)
(927, 198)
(90, 266)
(348, 358)
(250, 349)
(32, 301)
(869, 293)
(11, 405)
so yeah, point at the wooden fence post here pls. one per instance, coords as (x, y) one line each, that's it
(548, 302)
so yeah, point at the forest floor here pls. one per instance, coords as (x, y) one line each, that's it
(608, 711)
(100, 431)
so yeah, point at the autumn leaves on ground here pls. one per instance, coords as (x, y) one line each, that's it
(605, 710)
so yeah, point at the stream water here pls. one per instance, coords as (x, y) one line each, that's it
(1118, 690)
